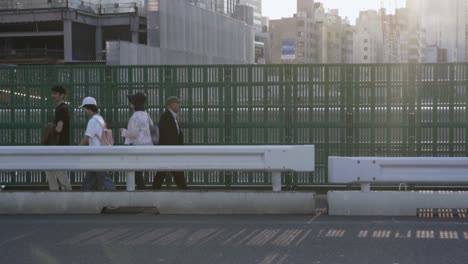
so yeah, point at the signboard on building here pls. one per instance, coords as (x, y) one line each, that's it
(288, 50)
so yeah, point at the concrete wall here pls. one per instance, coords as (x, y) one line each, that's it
(127, 53)
(190, 202)
(390, 203)
(181, 33)
(205, 36)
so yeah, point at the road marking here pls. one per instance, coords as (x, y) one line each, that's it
(287, 237)
(319, 213)
(274, 258)
(303, 237)
(14, 239)
(234, 237)
(81, 237)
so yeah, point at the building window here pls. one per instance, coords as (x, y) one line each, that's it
(300, 23)
(365, 58)
(300, 34)
(366, 40)
(366, 49)
(300, 54)
(300, 44)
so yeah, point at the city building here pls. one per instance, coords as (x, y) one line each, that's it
(347, 42)
(391, 31)
(249, 11)
(205, 4)
(182, 33)
(257, 11)
(226, 7)
(262, 42)
(262, 38)
(416, 42)
(434, 54)
(368, 40)
(443, 25)
(56, 31)
(244, 13)
(137, 32)
(381, 37)
(296, 39)
(336, 37)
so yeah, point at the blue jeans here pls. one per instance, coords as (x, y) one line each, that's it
(97, 181)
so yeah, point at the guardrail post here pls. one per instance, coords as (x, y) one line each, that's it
(130, 181)
(348, 89)
(412, 101)
(276, 181)
(365, 187)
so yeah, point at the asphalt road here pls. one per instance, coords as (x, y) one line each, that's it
(231, 239)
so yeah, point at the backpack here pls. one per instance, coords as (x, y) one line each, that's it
(107, 138)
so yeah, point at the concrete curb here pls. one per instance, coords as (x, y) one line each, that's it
(389, 203)
(232, 202)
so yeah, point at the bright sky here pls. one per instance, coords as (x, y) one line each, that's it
(347, 8)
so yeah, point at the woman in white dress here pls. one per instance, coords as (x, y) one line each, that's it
(138, 132)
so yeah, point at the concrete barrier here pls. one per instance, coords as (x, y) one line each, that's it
(388, 203)
(190, 202)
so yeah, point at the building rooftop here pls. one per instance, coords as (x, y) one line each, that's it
(89, 6)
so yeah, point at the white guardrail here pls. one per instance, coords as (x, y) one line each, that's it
(274, 159)
(368, 170)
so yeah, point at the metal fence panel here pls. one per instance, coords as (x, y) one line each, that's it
(344, 110)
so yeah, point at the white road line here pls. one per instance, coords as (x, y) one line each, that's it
(313, 218)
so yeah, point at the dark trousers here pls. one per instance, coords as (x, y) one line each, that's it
(97, 181)
(140, 180)
(179, 179)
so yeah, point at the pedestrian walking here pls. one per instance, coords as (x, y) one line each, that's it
(170, 134)
(95, 136)
(138, 131)
(58, 133)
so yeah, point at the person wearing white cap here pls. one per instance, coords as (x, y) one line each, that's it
(98, 181)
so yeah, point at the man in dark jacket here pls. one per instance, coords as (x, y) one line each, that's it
(170, 134)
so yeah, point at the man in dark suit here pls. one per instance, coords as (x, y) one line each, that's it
(170, 134)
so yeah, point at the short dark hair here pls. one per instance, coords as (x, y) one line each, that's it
(59, 89)
(92, 108)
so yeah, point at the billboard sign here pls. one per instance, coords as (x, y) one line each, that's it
(288, 50)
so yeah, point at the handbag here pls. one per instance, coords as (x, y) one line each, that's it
(49, 136)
